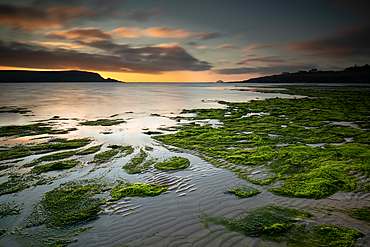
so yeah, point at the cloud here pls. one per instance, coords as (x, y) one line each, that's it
(220, 47)
(191, 43)
(116, 58)
(127, 32)
(261, 59)
(258, 46)
(139, 15)
(357, 7)
(76, 33)
(29, 19)
(168, 32)
(225, 61)
(160, 32)
(63, 45)
(248, 55)
(265, 70)
(352, 43)
(208, 35)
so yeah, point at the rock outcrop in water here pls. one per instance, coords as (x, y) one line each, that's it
(355, 74)
(51, 76)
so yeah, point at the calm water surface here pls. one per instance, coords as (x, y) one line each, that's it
(95, 100)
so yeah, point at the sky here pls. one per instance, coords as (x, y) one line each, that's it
(184, 40)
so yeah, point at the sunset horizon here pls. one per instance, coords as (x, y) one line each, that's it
(183, 41)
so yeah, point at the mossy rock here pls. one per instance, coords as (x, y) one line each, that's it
(69, 204)
(103, 122)
(60, 165)
(136, 189)
(105, 156)
(279, 224)
(174, 163)
(244, 191)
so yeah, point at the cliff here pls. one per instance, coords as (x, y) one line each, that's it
(356, 74)
(51, 76)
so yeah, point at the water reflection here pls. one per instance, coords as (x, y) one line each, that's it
(95, 100)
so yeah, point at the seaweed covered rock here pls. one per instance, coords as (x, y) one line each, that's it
(137, 189)
(174, 163)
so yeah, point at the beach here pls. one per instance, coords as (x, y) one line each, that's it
(232, 135)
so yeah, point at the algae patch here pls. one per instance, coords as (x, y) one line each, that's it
(31, 129)
(244, 191)
(105, 156)
(136, 164)
(282, 224)
(174, 163)
(103, 122)
(90, 150)
(136, 189)
(359, 213)
(9, 208)
(69, 204)
(279, 137)
(60, 165)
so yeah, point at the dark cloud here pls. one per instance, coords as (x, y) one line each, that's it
(268, 70)
(139, 15)
(262, 59)
(78, 33)
(356, 7)
(353, 43)
(220, 47)
(93, 4)
(258, 46)
(28, 18)
(191, 43)
(209, 35)
(117, 58)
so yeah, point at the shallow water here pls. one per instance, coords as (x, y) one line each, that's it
(171, 219)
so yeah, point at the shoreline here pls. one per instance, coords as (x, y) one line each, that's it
(208, 174)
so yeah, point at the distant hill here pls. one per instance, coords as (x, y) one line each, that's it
(51, 76)
(355, 74)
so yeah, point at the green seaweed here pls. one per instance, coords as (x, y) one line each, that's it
(136, 164)
(21, 110)
(126, 149)
(244, 191)
(103, 122)
(3, 231)
(15, 184)
(71, 203)
(60, 165)
(9, 208)
(318, 183)
(137, 189)
(31, 129)
(280, 136)
(280, 224)
(105, 156)
(174, 163)
(51, 157)
(4, 167)
(90, 150)
(330, 235)
(152, 132)
(268, 220)
(46, 147)
(359, 213)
